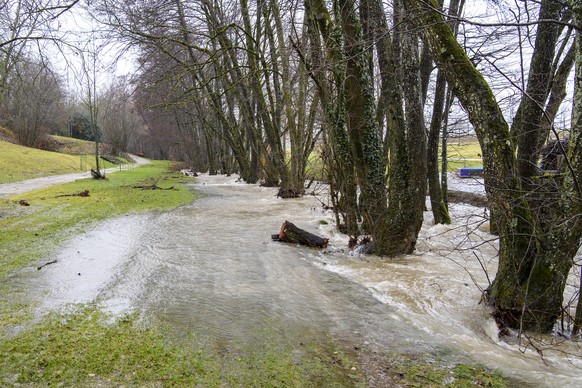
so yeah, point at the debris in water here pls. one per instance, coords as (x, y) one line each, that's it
(45, 264)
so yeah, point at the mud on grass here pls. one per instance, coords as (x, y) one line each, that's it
(85, 347)
(426, 370)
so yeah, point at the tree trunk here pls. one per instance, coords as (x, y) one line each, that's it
(557, 93)
(572, 182)
(526, 129)
(536, 249)
(407, 184)
(362, 126)
(296, 179)
(389, 109)
(439, 208)
(292, 234)
(437, 189)
(341, 161)
(518, 246)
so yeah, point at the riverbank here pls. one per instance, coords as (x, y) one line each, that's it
(86, 346)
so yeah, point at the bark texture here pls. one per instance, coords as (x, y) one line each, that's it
(527, 291)
(292, 234)
(407, 187)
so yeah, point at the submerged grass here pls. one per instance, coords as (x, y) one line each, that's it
(29, 233)
(82, 349)
(417, 372)
(85, 347)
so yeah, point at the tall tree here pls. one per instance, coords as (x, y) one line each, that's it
(440, 111)
(528, 290)
(121, 121)
(407, 184)
(361, 119)
(573, 180)
(394, 220)
(526, 128)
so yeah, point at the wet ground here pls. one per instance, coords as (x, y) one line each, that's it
(211, 268)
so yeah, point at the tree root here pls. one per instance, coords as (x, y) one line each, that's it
(97, 174)
(290, 193)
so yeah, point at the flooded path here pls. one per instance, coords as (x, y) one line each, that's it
(211, 268)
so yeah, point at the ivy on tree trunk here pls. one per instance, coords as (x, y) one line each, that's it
(527, 292)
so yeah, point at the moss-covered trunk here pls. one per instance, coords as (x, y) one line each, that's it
(363, 131)
(439, 208)
(407, 187)
(440, 110)
(326, 36)
(529, 283)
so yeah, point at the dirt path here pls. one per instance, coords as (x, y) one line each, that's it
(14, 188)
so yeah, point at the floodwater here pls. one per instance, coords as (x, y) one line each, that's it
(211, 268)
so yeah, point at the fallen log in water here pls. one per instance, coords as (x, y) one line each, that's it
(292, 234)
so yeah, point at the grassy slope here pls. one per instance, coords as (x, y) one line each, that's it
(18, 163)
(464, 154)
(70, 145)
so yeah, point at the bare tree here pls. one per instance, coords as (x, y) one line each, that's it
(121, 121)
(528, 290)
(33, 103)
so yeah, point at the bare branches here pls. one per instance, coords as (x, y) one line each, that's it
(565, 22)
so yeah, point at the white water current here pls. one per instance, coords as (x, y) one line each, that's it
(212, 268)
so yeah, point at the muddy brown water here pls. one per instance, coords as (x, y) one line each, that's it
(211, 268)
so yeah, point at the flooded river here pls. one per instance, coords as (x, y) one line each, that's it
(212, 268)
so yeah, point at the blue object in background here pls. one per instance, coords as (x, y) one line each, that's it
(467, 172)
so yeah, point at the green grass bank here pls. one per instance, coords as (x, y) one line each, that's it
(18, 163)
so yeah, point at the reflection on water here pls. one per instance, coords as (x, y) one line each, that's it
(211, 268)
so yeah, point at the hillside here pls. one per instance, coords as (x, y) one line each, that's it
(18, 163)
(72, 146)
